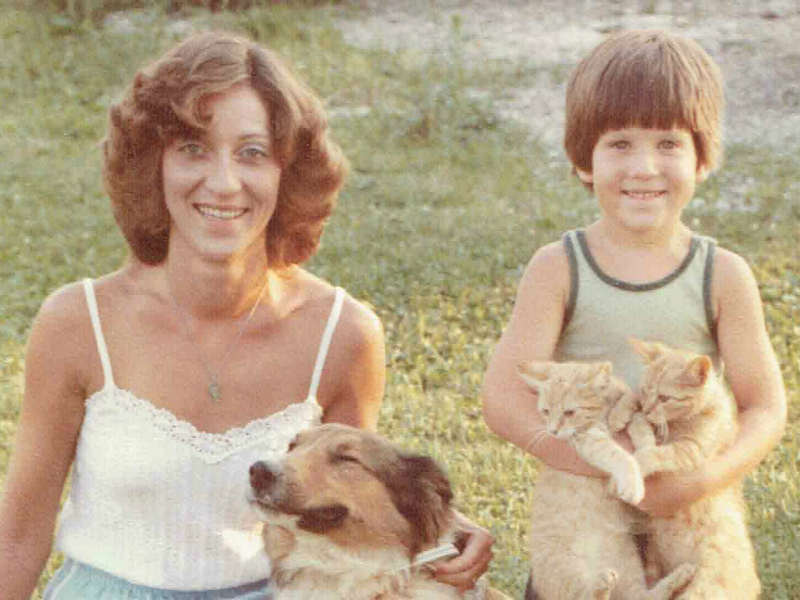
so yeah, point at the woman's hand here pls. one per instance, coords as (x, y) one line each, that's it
(463, 570)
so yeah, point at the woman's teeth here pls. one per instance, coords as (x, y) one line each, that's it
(220, 213)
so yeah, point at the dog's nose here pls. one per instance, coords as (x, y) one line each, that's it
(261, 477)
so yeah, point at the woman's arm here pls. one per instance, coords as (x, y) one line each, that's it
(50, 418)
(359, 375)
(754, 375)
(509, 407)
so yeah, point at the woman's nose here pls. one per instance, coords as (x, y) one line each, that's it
(223, 177)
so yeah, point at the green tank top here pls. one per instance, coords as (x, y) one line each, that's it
(603, 312)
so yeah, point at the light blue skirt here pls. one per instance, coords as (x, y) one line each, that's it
(77, 581)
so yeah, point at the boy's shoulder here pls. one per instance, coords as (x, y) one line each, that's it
(728, 264)
(552, 254)
(548, 267)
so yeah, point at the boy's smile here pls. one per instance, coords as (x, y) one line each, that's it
(643, 178)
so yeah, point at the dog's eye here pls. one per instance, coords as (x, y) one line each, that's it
(344, 458)
(292, 445)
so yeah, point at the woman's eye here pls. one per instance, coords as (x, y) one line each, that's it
(620, 145)
(569, 413)
(191, 148)
(668, 145)
(253, 152)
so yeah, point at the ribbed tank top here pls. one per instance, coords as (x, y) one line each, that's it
(603, 312)
(157, 502)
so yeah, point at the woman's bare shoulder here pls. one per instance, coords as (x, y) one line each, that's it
(64, 309)
(358, 323)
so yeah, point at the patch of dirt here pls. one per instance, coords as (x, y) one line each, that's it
(754, 41)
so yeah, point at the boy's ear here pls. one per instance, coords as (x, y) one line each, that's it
(585, 176)
(702, 173)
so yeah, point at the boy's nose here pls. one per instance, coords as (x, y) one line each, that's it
(643, 164)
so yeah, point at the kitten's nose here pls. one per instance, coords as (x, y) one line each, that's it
(261, 477)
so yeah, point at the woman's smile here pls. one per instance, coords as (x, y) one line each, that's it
(221, 185)
(221, 213)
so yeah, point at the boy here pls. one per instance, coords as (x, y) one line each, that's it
(643, 127)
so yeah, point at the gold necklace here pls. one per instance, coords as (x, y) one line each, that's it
(214, 389)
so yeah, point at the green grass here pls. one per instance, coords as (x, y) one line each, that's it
(445, 205)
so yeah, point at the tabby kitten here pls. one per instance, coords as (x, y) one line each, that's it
(694, 418)
(581, 542)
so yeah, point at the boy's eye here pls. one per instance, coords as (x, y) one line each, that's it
(669, 144)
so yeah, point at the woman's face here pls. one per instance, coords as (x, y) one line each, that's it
(221, 187)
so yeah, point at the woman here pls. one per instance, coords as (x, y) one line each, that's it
(209, 349)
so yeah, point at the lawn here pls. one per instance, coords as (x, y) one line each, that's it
(445, 204)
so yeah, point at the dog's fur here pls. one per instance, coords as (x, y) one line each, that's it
(345, 513)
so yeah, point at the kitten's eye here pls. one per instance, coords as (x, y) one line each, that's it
(292, 445)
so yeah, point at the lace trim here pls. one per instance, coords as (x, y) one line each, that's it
(273, 430)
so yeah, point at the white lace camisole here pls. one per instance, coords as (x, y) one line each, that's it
(159, 503)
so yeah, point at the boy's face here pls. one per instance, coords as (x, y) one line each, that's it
(643, 178)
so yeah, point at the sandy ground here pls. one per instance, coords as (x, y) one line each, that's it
(755, 42)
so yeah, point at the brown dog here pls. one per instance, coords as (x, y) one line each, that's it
(347, 513)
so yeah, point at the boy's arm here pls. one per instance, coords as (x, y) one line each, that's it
(755, 379)
(509, 407)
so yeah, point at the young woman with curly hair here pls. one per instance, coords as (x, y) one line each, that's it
(209, 349)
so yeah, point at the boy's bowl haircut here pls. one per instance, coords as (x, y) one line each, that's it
(645, 78)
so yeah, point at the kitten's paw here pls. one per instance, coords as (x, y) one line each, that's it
(618, 420)
(606, 581)
(627, 486)
(682, 575)
(648, 460)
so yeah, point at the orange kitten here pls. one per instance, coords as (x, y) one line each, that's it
(581, 542)
(695, 418)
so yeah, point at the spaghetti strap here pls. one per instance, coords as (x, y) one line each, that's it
(322, 353)
(91, 301)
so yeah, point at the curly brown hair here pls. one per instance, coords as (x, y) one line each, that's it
(164, 101)
(646, 78)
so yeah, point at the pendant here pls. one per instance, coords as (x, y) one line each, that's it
(214, 391)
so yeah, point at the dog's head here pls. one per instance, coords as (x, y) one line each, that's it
(357, 489)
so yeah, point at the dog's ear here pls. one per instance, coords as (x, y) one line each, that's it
(422, 495)
(323, 518)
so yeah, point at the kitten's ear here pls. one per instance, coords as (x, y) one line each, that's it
(533, 373)
(696, 372)
(649, 351)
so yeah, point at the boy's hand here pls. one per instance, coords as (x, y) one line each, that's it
(667, 493)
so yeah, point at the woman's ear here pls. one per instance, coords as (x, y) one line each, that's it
(585, 176)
